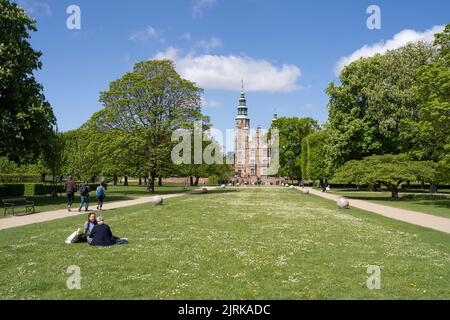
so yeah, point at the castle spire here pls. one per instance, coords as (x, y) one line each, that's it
(242, 107)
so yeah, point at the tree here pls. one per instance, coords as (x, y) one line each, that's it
(291, 133)
(149, 103)
(314, 164)
(26, 118)
(388, 170)
(429, 132)
(375, 95)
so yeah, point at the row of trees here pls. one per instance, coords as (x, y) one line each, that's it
(395, 106)
(129, 136)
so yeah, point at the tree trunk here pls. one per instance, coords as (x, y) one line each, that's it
(422, 184)
(140, 181)
(159, 182)
(42, 177)
(394, 193)
(115, 180)
(125, 181)
(196, 181)
(151, 182)
(145, 180)
(191, 181)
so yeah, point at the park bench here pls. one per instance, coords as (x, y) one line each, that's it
(10, 204)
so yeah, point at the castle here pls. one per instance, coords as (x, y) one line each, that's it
(252, 152)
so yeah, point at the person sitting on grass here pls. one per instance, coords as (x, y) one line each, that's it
(83, 235)
(89, 225)
(102, 236)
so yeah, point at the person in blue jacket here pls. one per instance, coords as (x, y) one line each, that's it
(102, 236)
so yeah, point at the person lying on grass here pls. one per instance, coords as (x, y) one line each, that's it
(102, 236)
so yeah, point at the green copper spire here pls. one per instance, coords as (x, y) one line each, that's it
(242, 108)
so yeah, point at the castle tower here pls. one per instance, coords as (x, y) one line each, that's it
(241, 143)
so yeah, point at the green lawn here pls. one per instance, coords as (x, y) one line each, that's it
(422, 203)
(262, 243)
(114, 193)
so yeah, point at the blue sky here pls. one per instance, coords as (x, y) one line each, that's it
(287, 52)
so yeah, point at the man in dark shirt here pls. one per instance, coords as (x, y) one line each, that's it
(70, 188)
(102, 236)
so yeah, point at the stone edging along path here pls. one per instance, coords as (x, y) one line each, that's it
(18, 221)
(418, 218)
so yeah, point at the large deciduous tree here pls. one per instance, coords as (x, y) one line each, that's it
(26, 118)
(374, 96)
(148, 104)
(388, 170)
(429, 132)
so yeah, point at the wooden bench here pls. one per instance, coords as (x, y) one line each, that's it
(10, 204)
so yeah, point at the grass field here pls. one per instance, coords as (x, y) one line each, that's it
(266, 243)
(114, 193)
(419, 202)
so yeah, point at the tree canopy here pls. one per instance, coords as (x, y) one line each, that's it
(26, 118)
(388, 170)
(291, 133)
(141, 109)
(374, 96)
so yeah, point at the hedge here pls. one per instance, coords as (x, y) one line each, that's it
(18, 178)
(12, 190)
(33, 189)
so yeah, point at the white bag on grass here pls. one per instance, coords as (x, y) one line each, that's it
(71, 239)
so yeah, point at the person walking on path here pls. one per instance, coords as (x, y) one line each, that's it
(100, 194)
(70, 188)
(84, 191)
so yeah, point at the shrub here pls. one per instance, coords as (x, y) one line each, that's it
(12, 190)
(18, 177)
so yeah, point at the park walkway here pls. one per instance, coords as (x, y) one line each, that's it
(18, 221)
(414, 217)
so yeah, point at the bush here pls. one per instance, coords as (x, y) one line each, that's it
(12, 190)
(17, 177)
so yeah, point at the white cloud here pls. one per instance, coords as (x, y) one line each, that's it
(150, 33)
(200, 5)
(211, 103)
(36, 8)
(208, 45)
(225, 72)
(399, 40)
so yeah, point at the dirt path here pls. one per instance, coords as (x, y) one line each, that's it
(414, 217)
(18, 221)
